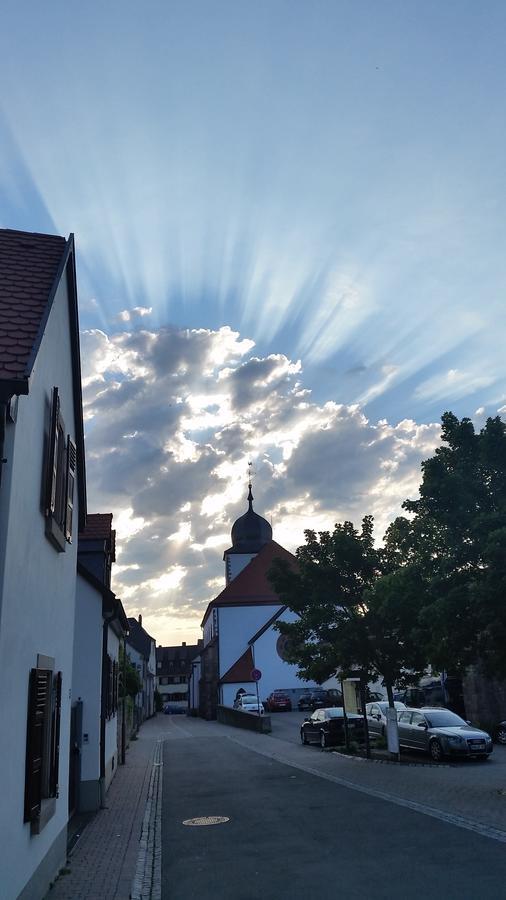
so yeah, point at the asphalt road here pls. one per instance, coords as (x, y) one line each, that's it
(292, 834)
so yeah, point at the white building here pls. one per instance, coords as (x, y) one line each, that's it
(239, 632)
(100, 626)
(42, 504)
(141, 648)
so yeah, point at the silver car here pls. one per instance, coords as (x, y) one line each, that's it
(377, 716)
(441, 732)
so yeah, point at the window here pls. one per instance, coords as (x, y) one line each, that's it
(158, 665)
(60, 480)
(164, 680)
(42, 744)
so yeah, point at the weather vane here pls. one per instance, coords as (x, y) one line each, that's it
(251, 472)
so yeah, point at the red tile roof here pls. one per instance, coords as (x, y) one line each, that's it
(29, 264)
(98, 526)
(241, 670)
(251, 585)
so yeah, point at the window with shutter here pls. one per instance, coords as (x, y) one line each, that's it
(71, 479)
(42, 741)
(60, 480)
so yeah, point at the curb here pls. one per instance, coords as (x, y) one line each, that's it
(147, 883)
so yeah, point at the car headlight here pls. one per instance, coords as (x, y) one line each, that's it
(453, 739)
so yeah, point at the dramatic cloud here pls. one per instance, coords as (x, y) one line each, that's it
(174, 416)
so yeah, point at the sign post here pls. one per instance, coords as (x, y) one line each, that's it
(256, 676)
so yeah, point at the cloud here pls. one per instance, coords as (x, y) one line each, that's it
(138, 312)
(173, 417)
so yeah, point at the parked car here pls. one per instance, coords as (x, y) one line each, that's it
(500, 733)
(249, 703)
(377, 716)
(314, 700)
(326, 727)
(173, 709)
(441, 732)
(277, 701)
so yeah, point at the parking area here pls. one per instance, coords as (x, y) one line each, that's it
(286, 727)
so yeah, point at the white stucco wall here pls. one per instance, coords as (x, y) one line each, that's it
(87, 673)
(276, 673)
(235, 563)
(237, 625)
(111, 725)
(38, 591)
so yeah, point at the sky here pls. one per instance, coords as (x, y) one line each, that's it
(290, 231)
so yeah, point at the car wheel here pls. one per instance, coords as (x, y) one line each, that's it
(323, 740)
(501, 734)
(436, 751)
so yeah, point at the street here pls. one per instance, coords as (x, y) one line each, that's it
(296, 833)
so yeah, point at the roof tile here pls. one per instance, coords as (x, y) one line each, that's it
(28, 266)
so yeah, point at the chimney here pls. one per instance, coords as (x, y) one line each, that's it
(140, 620)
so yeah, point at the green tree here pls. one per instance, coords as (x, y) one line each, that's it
(129, 675)
(351, 610)
(455, 539)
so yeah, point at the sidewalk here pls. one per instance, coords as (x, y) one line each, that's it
(102, 863)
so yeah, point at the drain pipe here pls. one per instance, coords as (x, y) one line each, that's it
(3, 420)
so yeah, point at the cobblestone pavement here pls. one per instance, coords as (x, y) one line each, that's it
(103, 862)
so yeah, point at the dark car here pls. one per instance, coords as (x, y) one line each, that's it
(278, 701)
(314, 700)
(326, 727)
(500, 733)
(173, 709)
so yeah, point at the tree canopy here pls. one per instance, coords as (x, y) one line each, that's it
(434, 593)
(455, 538)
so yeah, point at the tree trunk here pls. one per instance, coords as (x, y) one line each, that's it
(364, 716)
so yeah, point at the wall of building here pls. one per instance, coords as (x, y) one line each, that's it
(277, 674)
(235, 563)
(111, 725)
(237, 625)
(38, 602)
(86, 685)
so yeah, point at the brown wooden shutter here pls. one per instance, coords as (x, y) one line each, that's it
(38, 700)
(52, 461)
(55, 737)
(71, 480)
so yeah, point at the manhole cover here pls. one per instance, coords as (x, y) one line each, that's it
(207, 820)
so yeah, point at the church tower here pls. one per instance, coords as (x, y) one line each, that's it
(250, 533)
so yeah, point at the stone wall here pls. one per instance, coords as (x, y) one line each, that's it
(485, 699)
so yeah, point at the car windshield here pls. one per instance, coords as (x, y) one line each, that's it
(249, 698)
(335, 712)
(443, 718)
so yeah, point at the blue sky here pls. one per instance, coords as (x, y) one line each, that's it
(324, 179)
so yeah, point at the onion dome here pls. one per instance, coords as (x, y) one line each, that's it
(250, 532)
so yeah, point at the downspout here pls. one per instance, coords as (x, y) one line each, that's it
(3, 420)
(105, 627)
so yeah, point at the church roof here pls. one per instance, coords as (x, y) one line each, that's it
(241, 670)
(252, 586)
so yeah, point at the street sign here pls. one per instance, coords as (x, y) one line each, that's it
(256, 674)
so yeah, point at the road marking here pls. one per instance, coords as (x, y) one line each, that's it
(489, 831)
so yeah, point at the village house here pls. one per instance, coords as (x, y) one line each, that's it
(141, 650)
(173, 670)
(100, 627)
(42, 508)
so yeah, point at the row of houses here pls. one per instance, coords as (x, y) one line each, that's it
(63, 632)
